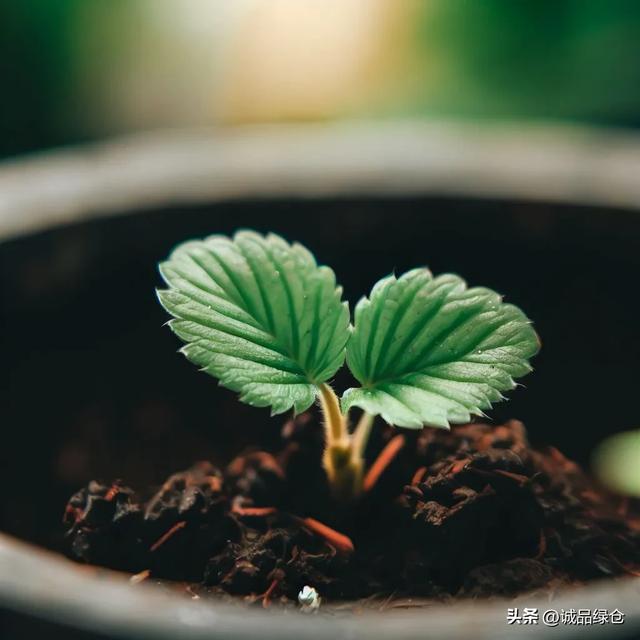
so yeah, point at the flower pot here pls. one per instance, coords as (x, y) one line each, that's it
(94, 389)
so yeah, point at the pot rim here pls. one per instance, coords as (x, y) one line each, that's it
(49, 587)
(535, 162)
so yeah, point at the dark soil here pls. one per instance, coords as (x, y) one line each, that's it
(471, 512)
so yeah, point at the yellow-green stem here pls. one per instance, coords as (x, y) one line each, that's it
(334, 422)
(360, 435)
(359, 439)
(344, 477)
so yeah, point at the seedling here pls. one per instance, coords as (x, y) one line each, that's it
(260, 315)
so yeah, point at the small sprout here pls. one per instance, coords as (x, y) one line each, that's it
(309, 599)
(262, 317)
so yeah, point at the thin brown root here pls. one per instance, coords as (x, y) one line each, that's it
(256, 512)
(163, 538)
(266, 597)
(336, 539)
(383, 461)
(110, 495)
(418, 475)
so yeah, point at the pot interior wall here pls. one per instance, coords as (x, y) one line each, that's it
(94, 388)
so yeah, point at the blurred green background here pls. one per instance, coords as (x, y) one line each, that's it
(76, 70)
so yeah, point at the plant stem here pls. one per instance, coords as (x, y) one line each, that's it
(359, 440)
(334, 422)
(343, 458)
(343, 477)
(360, 436)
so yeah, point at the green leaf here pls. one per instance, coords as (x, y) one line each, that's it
(259, 314)
(429, 351)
